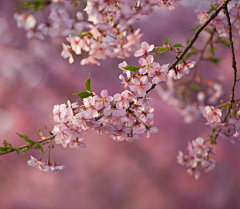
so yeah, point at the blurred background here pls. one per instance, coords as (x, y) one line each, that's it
(106, 174)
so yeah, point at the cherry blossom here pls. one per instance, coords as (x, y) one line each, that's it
(145, 48)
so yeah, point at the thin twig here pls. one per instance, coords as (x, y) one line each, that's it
(195, 36)
(26, 146)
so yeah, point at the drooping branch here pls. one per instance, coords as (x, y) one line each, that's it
(196, 34)
(232, 52)
(26, 146)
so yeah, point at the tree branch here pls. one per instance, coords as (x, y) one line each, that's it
(232, 52)
(195, 36)
(26, 146)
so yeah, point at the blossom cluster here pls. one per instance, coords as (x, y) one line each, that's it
(220, 22)
(198, 151)
(124, 116)
(186, 97)
(228, 129)
(198, 156)
(107, 31)
(33, 162)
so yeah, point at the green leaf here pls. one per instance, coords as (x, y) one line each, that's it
(212, 49)
(39, 147)
(131, 68)
(40, 134)
(195, 27)
(5, 143)
(166, 40)
(82, 95)
(24, 151)
(16, 149)
(178, 45)
(4, 149)
(213, 8)
(214, 60)
(87, 84)
(223, 41)
(47, 129)
(187, 40)
(25, 138)
(160, 50)
(190, 54)
(193, 87)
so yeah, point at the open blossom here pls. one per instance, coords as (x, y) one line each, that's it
(33, 162)
(182, 69)
(25, 21)
(147, 65)
(66, 52)
(212, 115)
(151, 130)
(159, 74)
(140, 86)
(145, 48)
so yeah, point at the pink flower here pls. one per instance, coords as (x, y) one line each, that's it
(140, 86)
(122, 100)
(145, 48)
(151, 130)
(147, 65)
(25, 21)
(66, 52)
(159, 74)
(212, 115)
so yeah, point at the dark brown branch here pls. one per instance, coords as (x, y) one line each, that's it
(26, 146)
(232, 52)
(195, 36)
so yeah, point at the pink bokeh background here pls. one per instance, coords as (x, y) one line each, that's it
(106, 174)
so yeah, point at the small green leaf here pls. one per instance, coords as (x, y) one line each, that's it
(40, 134)
(82, 95)
(88, 84)
(25, 138)
(131, 68)
(187, 40)
(178, 45)
(39, 147)
(196, 27)
(16, 149)
(190, 54)
(166, 40)
(214, 60)
(213, 130)
(160, 50)
(47, 129)
(223, 41)
(5, 143)
(24, 151)
(212, 49)
(193, 87)
(4, 149)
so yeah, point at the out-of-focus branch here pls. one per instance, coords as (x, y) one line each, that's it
(198, 60)
(26, 146)
(232, 52)
(195, 36)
